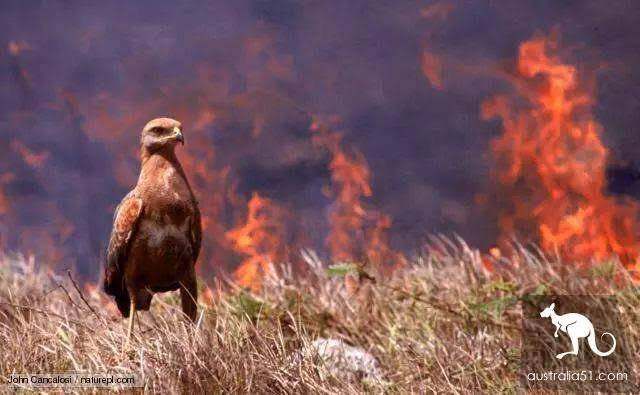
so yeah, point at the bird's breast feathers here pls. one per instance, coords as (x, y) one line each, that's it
(170, 208)
(159, 230)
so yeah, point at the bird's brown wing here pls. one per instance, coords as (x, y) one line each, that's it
(125, 221)
(195, 233)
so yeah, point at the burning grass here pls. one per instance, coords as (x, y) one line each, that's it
(440, 323)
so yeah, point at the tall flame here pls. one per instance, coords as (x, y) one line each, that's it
(350, 175)
(551, 162)
(260, 240)
(356, 232)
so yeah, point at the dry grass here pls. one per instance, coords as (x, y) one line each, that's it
(442, 324)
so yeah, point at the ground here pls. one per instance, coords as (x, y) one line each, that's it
(444, 323)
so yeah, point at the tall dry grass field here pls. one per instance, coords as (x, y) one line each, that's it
(442, 324)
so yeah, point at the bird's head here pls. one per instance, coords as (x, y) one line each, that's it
(160, 134)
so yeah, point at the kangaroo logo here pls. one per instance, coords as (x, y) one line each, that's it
(577, 326)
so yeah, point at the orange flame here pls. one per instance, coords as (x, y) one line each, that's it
(95, 296)
(260, 239)
(30, 157)
(438, 9)
(355, 232)
(431, 62)
(378, 249)
(5, 178)
(350, 175)
(551, 163)
(432, 69)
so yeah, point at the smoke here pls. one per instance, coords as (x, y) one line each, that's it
(246, 77)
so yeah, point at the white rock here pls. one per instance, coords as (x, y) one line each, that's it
(335, 358)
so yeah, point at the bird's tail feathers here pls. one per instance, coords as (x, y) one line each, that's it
(114, 286)
(123, 302)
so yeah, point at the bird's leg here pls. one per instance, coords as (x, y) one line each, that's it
(189, 295)
(132, 314)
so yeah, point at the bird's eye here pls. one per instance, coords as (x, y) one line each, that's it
(156, 130)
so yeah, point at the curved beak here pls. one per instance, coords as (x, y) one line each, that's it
(178, 135)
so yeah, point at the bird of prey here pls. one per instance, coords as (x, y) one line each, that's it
(156, 233)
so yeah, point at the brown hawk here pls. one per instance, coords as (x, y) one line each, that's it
(157, 232)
